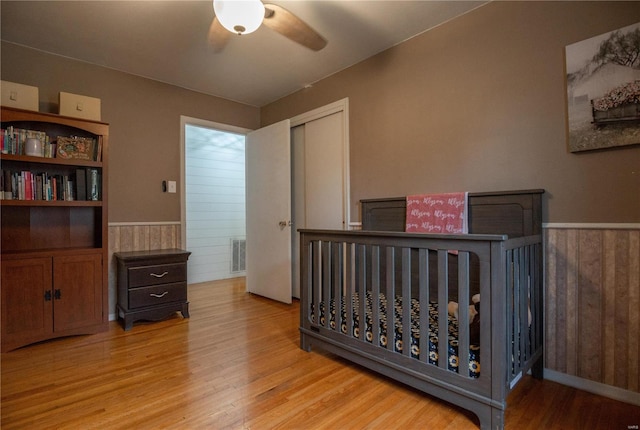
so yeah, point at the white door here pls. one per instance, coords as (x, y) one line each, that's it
(268, 206)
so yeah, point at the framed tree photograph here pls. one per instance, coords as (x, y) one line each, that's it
(603, 90)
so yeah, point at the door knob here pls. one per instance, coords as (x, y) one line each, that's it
(283, 224)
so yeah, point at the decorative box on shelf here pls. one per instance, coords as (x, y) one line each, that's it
(19, 96)
(78, 106)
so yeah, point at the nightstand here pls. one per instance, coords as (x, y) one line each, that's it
(151, 285)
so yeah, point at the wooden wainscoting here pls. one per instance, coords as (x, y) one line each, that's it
(138, 237)
(593, 304)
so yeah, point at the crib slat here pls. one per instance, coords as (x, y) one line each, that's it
(509, 284)
(524, 298)
(443, 328)
(351, 282)
(463, 313)
(362, 292)
(522, 313)
(337, 283)
(390, 294)
(306, 282)
(406, 302)
(375, 294)
(536, 299)
(326, 282)
(533, 303)
(519, 316)
(423, 280)
(526, 293)
(316, 258)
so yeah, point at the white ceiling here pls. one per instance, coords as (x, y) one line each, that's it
(167, 40)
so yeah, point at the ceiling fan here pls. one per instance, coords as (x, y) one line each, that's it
(245, 16)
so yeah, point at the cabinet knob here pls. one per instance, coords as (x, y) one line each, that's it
(47, 296)
(156, 275)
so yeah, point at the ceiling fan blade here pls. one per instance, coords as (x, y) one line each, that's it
(284, 22)
(218, 35)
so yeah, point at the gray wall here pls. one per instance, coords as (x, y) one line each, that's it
(478, 104)
(144, 118)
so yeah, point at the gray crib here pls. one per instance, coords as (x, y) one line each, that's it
(379, 296)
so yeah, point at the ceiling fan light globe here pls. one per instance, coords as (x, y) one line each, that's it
(239, 16)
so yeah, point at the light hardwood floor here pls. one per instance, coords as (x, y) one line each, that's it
(236, 364)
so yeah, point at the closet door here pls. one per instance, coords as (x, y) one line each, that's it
(268, 206)
(320, 148)
(324, 173)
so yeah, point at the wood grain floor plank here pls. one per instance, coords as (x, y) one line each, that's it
(236, 364)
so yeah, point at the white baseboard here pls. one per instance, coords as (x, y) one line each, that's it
(598, 388)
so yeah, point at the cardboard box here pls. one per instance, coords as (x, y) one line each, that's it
(79, 106)
(19, 95)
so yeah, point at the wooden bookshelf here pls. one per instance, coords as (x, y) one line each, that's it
(54, 252)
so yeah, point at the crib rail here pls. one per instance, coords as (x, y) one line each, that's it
(340, 270)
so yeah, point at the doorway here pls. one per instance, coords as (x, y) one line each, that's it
(214, 201)
(316, 173)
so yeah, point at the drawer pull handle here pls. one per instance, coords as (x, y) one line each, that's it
(159, 295)
(155, 275)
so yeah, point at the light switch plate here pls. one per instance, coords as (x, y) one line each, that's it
(171, 185)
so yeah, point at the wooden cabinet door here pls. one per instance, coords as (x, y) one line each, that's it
(77, 291)
(27, 306)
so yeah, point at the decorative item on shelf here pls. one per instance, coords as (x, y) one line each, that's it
(82, 148)
(19, 95)
(79, 106)
(33, 147)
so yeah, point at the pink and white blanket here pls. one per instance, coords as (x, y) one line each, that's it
(444, 213)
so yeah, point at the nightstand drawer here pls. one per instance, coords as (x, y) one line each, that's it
(154, 275)
(157, 294)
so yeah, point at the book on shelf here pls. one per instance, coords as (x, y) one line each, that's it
(13, 139)
(93, 184)
(81, 184)
(8, 187)
(28, 185)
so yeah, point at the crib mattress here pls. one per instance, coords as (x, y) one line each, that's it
(453, 362)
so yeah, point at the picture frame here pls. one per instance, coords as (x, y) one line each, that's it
(603, 90)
